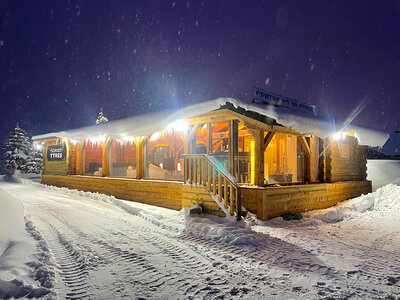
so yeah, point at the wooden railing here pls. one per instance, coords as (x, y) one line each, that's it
(207, 171)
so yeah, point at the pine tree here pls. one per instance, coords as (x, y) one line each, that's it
(16, 152)
(101, 118)
(34, 161)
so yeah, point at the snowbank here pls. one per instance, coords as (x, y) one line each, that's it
(21, 272)
(385, 200)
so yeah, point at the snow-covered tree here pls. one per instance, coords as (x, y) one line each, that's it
(101, 118)
(16, 152)
(34, 161)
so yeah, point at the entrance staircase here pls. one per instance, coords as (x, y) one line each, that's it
(209, 173)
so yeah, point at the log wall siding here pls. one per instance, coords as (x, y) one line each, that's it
(158, 193)
(196, 194)
(55, 167)
(268, 203)
(345, 160)
(72, 159)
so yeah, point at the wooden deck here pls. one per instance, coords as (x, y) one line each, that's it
(267, 203)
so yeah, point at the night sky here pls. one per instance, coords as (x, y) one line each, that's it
(62, 61)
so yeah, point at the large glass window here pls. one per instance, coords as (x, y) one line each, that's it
(246, 155)
(281, 159)
(93, 159)
(162, 157)
(123, 159)
(220, 143)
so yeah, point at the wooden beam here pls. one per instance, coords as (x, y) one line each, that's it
(233, 142)
(305, 144)
(105, 158)
(307, 159)
(224, 115)
(140, 157)
(259, 158)
(209, 139)
(188, 139)
(267, 139)
(79, 157)
(193, 131)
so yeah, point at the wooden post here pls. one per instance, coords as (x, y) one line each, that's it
(188, 139)
(307, 164)
(219, 186)
(79, 157)
(209, 139)
(105, 158)
(209, 176)
(321, 160)
(140, 157)
(225, 193)
(214, 180)
(258, 157)
(233, 142)
(238, 205)
(232, 198)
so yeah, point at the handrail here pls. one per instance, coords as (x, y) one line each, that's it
(209, 172)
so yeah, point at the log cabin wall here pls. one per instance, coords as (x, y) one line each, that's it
(72, 159)
(152, 192)
(56, 167)
(345, 160)
(269, 203)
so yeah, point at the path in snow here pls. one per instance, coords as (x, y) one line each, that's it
(103, 248)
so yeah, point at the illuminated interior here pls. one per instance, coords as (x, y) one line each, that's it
(123, 159)
(283, 160)
(246, 155)
(162, 157)
(93, 159)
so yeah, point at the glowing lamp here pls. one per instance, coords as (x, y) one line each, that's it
(154, 136)
(38, 146)
(98, 139)
(178, 126)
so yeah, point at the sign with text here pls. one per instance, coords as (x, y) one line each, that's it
(264, 97)
(56, 153)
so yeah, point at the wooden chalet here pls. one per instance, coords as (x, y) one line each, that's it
(220, 156)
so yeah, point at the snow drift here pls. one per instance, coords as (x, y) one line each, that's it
(20, 267)
(385, 199)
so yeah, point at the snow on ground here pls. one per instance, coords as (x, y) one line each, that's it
(69, 244)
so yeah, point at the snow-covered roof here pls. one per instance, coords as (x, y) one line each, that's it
(147, 124)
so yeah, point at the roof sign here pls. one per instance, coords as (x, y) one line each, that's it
(264, 97)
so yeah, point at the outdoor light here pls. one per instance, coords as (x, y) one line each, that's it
(155, 136)
(129, 139)
(341, 135)
(178, 126)
(99, 139)
(38, 146)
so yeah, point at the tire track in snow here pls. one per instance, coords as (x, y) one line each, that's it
(70, 265)
(193, 275)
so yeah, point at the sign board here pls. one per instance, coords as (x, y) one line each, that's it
(264, 97)
(56, 153)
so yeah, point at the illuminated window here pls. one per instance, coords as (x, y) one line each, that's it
(162, 157)
(93, 159)
(123, 159)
